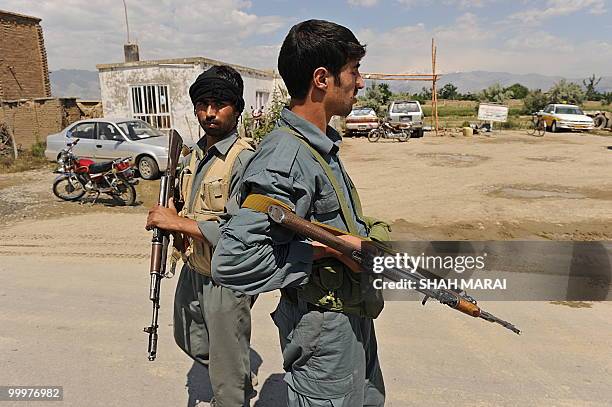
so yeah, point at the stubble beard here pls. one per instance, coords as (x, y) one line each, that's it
(219, 132)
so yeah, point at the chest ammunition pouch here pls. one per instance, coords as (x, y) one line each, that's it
(332, 286)
(209, 204)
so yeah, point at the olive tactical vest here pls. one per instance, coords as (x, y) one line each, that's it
(210, 199)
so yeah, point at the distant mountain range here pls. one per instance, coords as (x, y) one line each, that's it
(477, 80)
(77, 83)
(84, 84)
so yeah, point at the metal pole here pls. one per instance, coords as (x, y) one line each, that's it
(434, 96)
(127, 25)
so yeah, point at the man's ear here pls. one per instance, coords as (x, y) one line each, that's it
(320, 78)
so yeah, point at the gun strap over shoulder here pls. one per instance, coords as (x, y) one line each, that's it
(261, 203)
(346, 212)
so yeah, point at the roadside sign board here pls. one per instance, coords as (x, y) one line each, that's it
(492, 113)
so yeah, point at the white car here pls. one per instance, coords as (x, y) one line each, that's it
(570, 117)
(360, 121)
(107, 139)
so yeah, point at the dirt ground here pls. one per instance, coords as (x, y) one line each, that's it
(75, 282)
(504, 186)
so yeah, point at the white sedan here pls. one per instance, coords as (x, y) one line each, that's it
(570, 117)
(107, 139)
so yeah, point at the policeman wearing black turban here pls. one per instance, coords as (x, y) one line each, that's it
(211, 85)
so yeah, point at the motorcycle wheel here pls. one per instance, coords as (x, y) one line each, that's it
(125, 194)
(68, 188)
(374, 135)
(403, 136)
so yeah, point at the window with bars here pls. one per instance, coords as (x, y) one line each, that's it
(151, 104)
(261, 99)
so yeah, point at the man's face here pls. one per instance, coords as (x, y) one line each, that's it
(216, 117)
(343, 93)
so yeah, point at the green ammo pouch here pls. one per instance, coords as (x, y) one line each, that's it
(332, 285)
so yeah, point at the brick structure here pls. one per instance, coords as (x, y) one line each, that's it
(32, 120)
(23, 60)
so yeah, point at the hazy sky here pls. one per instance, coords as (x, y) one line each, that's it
(572, 38)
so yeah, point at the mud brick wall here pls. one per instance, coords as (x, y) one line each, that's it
(23, 60)
(33, 120)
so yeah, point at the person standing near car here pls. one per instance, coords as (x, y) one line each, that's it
(324, 319)
(212, 324)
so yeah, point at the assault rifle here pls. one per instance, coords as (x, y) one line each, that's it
(161, 238)
(456, 300)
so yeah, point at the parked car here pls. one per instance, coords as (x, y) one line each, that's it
(407, 113)
(360, 121)
(571, 117)
(106, 139)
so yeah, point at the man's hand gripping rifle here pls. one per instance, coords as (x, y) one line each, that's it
(161, 238)
(459, 301)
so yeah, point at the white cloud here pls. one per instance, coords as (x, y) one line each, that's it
(539, 40)
(462, 4)
(558, 8)
(468, 44)
(363, 3)
(469, 3)
(83, 33)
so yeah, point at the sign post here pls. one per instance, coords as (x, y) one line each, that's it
(492, 113)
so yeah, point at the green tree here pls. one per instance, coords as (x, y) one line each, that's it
(606, 98)
(424, 94)
(495, 93)
(590, 85)
(518, 91)
(376, 96)
(534, 101)
(468, 96)
(385, 93)
(566, 92)
(449, 91)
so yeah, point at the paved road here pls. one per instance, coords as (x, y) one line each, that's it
(71, 316)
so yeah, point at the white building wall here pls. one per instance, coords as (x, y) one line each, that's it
(115, 83)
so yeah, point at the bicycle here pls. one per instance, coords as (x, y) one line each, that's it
(537, 126)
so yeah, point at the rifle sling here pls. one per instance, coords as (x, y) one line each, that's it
(261, 203)
(346, 213)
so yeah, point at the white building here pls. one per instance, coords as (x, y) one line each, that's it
(158, 91)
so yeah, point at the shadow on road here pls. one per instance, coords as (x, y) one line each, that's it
(198, 382)
(273, 392)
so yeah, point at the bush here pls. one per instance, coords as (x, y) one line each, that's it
(38, 149)
(566, 92)
(534, 101)
(495, 93)
(518, 91)
(269, 118)
(511, 124)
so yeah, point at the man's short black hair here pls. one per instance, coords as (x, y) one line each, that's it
(312, 44)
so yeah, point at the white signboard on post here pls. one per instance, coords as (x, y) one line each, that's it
(492, 113)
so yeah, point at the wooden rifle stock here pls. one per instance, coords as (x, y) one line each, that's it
(459, 301)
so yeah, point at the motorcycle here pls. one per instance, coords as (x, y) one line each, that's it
(79, 176)
(390, 131)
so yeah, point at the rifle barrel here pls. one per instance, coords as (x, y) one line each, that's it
(460, 302)
(160, 241)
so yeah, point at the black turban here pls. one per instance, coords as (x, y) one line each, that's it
(211, 85)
